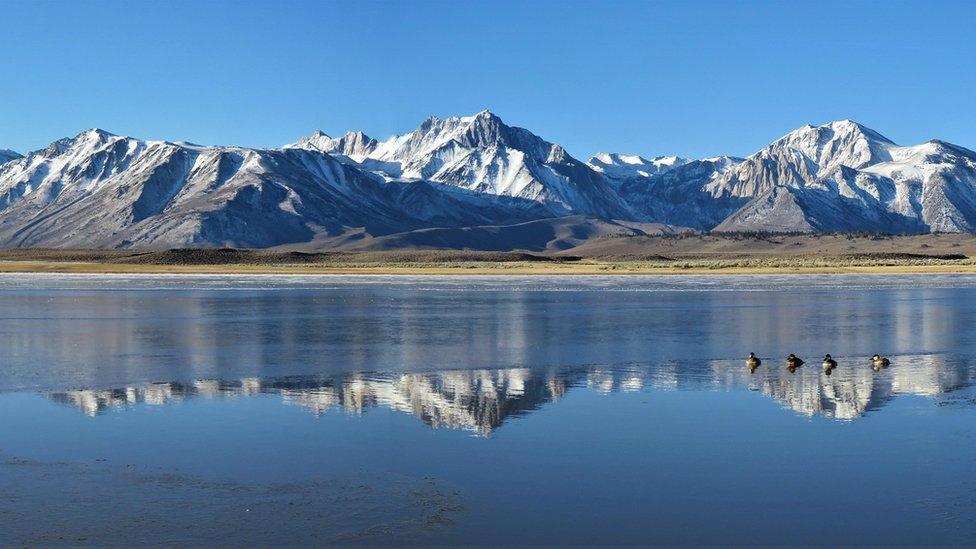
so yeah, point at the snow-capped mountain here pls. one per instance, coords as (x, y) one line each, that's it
(680, 196)
(620, 167)
(844, 177)
(481, 154)
(104, 190)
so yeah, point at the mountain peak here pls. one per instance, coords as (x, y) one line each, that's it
(317, 140)
(94, 137)
(485, 114)
(619, 158)
(6, 155)
(357, 135)
(940, 145)
(454, 121)
(624, 166)
(841, 127)
(850, 126)
(95, 133)
(841, 142)
(352, 143)
(483, 129)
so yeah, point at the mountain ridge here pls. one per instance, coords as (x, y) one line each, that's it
(99, 189)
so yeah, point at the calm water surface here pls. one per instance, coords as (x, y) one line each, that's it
(486, 410)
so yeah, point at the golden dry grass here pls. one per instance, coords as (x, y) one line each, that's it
(585, 267)
(692, 255)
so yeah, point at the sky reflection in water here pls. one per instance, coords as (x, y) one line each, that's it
(297, 410)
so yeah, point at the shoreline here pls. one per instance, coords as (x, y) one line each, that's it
(690, 255)
(468, 269)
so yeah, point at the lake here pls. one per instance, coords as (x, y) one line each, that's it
(372, 410)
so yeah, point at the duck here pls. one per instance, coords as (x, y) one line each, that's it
(753, 362)
(793, 361)
(879, 362)
(829, 363)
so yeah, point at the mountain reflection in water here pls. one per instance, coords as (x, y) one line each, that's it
(481, 400)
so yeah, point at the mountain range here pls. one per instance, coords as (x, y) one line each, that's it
(469, 182)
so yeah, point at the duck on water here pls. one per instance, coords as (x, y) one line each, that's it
(829, 364)
(793, 362)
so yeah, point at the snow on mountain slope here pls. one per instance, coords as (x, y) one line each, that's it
(844, 177)
(679, 196)
(620, 167)
(843, 142)
(354, 145)
(481, 154)
(838, 176)
(804, 155)
(102, 190)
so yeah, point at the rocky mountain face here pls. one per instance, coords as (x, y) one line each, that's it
(104, 190)
(481, 154)
(681, 195)
(844, 177)
(6, 155)
(620, 167)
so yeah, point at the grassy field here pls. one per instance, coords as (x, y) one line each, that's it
(737, 261)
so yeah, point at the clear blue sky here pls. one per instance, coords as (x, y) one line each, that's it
(689, 78)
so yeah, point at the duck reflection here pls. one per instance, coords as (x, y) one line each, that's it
(482, 400)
